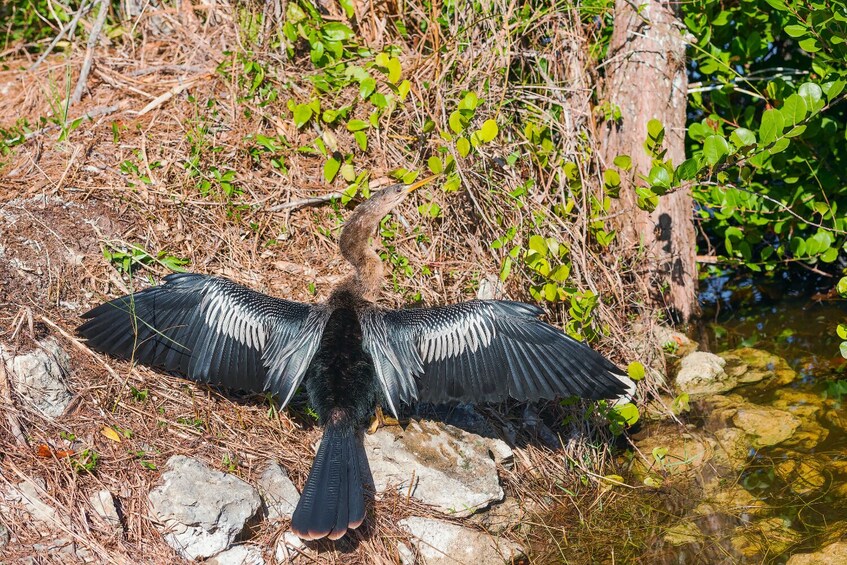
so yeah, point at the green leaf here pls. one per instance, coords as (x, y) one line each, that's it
(628, 412)
(488, 131)
(635, 370)
(366, 88)
(403, 89)
(841, 331)
(395, 72)
(772, 125)
(742, 137)
(356, 125)
(463, 146)
(331, 169)
(362, 139)
(795, 30)
(811, 93)
(810, 45)
(687, 170)
(611, 178)
(793, 109)
(841, 287)
(435, 165)
(302, 114)
(831, 89)
(538, 244)
(660, 177)
(453, 183)
(680, 404)
(778, 4)
(655, 129)
(347, 6)
(469, 102)
(457, 122)
(843, 349)
(714, 149)
(335, 31)
(623, 162)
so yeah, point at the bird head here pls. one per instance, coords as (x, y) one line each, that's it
(385, 200)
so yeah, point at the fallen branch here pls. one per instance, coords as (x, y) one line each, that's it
(315, 201)
(93, 38)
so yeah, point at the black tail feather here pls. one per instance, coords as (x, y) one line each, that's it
(333, 499)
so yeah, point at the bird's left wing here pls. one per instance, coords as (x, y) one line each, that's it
(211, 330)
(483, 350)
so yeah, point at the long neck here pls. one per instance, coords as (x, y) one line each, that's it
(356, 248)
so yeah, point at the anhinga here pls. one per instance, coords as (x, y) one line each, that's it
(352, 354)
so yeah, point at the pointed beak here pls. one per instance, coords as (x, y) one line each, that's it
(417, 184)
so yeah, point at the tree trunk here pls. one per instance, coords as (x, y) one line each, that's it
(646, 78)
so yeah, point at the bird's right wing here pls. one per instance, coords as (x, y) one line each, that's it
(211, 330)
(483, 351)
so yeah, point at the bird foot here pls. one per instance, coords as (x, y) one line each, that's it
(379, 420)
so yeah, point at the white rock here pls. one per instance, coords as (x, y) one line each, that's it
(202, 510)
(29, 495)
(238, 555)
(39, 376)
(104, 508)
(438, 542)
(288, 548)
(4, 536)
(437, 464)
(703, 373)
(278, 492)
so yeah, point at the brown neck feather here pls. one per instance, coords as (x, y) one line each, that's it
(356, 248)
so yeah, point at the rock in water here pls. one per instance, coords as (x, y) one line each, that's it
(703, 373)
(202, 510)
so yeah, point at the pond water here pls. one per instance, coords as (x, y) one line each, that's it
(788, 495)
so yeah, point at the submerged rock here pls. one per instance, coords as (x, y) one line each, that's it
(832, 554)
(766, 426)
(672, 451)
(39, 376)
(451, 469)
(801, 476)
(748, 365)
(683, 533)
(703, 373)
(436, 542)
(770, 536)
(278, 492)
(202, 510)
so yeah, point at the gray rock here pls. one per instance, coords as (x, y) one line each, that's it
(202, 510)
(39, 376)
(440, 465)
(104, 508)
(28, 494)
(4, 536)
(703, 373)
(238, 555)
(278, 492)
(437, 542)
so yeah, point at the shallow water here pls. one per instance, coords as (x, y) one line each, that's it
(803, 333)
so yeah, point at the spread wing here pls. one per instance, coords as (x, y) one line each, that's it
(211, 330)
(483, 351)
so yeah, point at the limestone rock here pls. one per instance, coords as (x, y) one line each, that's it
(440, 465)
(39, 376)
(683, 533)
(703, 373)
(765, 425)
(833, 554)
(673, 341)
(202, 510)
(749, 365)
(801, 476)
(278, 492)
(104, 508)
(501, 517)
(29, 494)
(289, 547)
(733, 448)
(238, 555)
(673, 452)
(438, 542)
(4, 536)
(764, 537)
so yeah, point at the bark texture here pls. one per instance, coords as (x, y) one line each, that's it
(646, 78)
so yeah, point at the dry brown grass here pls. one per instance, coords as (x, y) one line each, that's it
(72, 198)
